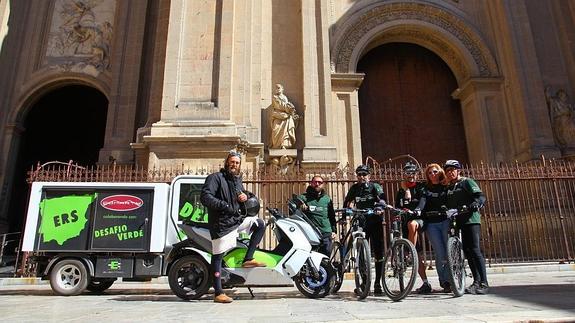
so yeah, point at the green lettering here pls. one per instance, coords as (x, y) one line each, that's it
(74, 215)
(186, 210)
(56, 221)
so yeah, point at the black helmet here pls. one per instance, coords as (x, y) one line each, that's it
(252, 206)
(452, 163)
(362, 169)
(409, 167)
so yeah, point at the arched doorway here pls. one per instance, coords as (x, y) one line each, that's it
(406, 107)
(65, 124)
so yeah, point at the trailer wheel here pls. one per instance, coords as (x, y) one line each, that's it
(100, 285)
(69, 277)
(189, 277)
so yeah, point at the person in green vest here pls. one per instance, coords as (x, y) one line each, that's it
(464, 191)
(318, 207)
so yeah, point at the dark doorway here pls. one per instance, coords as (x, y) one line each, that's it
(406, 107)
(66, 124)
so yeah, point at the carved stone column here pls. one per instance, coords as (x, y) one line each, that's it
(346, 111)
(486, 120)
(321, 128)
(207, 107)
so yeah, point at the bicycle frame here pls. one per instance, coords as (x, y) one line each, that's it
(349, 239)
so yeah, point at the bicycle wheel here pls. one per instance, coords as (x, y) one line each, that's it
(362, 269)
(456, 266)
(337, 263)
(399, 269)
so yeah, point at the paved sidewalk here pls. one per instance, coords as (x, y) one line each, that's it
(518, 296)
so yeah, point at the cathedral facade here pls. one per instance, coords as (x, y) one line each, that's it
(171, 83)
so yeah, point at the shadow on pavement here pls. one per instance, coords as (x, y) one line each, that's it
(561, 297)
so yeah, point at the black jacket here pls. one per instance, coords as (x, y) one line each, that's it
(219, 196)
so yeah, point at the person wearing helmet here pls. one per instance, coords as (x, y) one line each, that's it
(408, 197)
(224, 196)
(318, 207)
(365, 195)
(464, 191)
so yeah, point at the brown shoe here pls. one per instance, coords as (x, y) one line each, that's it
(252, 263)
(223, 298)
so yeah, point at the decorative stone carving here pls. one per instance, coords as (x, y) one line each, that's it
(284, 159)
(389, 12)
(562, 116)
(283, 121)
(81, 35)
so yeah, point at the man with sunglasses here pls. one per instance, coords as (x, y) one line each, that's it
(365, 195)
(318, 207)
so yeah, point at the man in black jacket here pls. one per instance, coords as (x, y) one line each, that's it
(223, 195)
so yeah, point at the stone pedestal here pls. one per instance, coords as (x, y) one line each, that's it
(282, 158)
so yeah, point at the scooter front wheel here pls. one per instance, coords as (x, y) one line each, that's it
(189, 277)
(315, 287)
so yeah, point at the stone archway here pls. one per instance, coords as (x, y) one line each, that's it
(66, 121)
(435, 28)
(455, 41)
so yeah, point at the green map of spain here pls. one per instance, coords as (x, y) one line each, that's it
(63, 218)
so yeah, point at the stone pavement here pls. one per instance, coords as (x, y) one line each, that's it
(542, 294)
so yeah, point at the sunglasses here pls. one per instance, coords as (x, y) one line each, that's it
(433, 172)
(409, 173)
(317, 182)
(362, 174)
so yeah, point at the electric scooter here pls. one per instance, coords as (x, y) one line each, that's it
(291, 261)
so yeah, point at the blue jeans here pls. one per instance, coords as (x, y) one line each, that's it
(437, 235)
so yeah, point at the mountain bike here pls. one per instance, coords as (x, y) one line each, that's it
(400, 263)
(455, 256)
(352, 251)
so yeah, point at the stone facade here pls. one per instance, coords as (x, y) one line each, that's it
(189, 80)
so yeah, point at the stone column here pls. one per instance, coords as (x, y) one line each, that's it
(320, 124)
(205, 109)
(345, 110)
(486, 120)
(524, 91)
(126, 62)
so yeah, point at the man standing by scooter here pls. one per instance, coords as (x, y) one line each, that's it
(222, 194)
(318, 207)
(364, 195)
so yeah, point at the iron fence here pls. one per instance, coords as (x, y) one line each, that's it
(529, 215)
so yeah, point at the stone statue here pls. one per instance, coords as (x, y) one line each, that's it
(562, 118)
(283, 120)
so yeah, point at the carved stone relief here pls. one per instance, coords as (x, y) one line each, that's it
(562, 117)
(81, 36)
(435, 16)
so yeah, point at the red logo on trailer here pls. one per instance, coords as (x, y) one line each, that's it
(121, 202)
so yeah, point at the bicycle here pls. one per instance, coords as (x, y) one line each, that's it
(455, 256)
(400, 263)
(352, 252)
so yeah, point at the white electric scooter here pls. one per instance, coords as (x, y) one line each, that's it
(292, 260)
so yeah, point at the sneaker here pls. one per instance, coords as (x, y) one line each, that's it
(252, 263)
(223, 299)
(424, 289)
(482, 289)
(377, 289)
(472, 289)
(446, 287)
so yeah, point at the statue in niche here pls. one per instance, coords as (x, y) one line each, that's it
(562, 117)
(283, 120)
